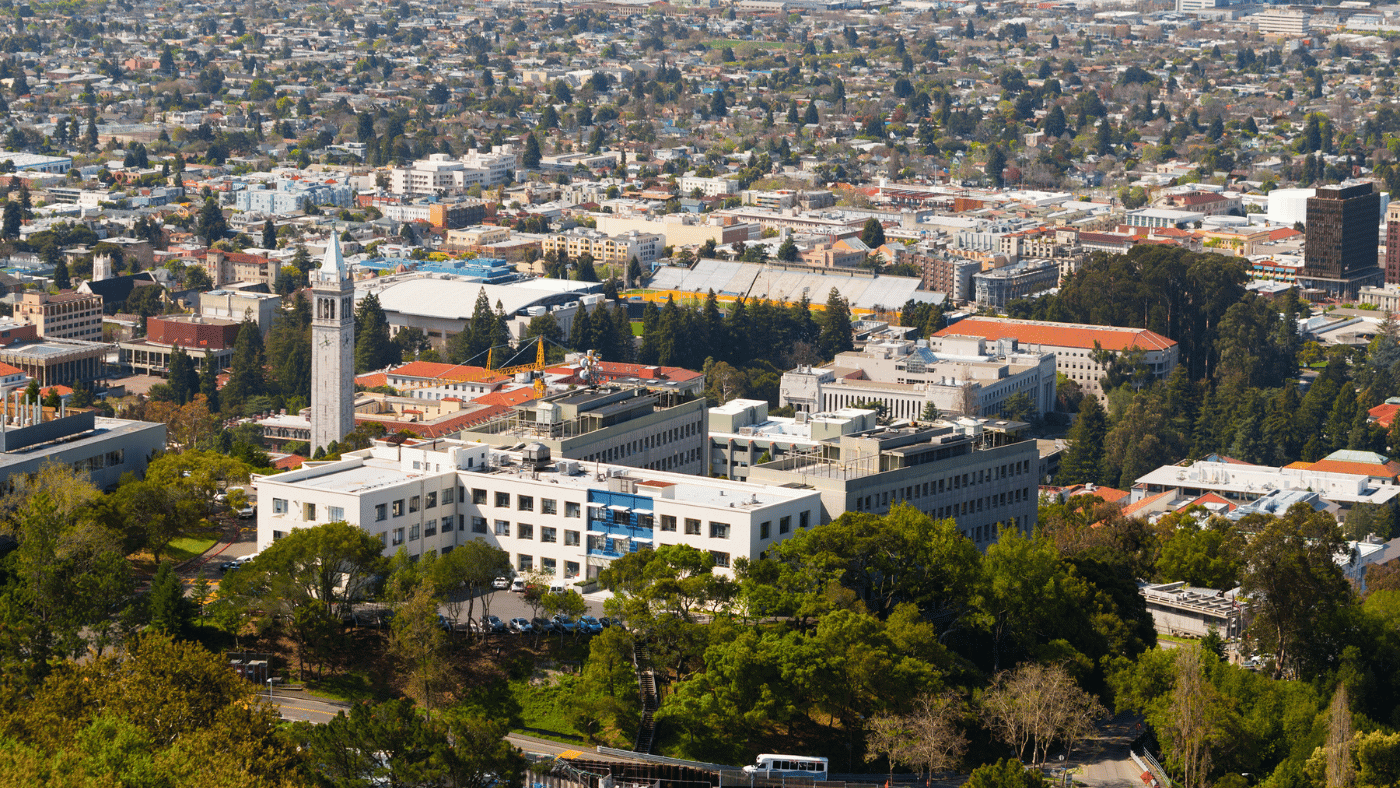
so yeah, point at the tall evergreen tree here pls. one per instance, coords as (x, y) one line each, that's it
(184, 380)
(60, 275)
(374, 348)
(248, 373)
(269, 235)
(166, 605)
(209, 385)
(1082, 462)
(836, 332)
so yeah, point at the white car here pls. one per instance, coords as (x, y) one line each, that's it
(500, 583)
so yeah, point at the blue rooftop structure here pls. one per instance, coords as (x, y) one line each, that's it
(489, 270)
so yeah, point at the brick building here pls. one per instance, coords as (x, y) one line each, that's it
(200, 336)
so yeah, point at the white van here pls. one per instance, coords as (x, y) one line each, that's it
(770, 765)
(518, 585)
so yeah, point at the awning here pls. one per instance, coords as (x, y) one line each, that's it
(617, 508)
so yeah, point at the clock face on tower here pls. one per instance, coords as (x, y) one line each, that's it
(326, 342)
(345, 339)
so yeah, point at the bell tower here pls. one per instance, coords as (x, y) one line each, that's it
(332, 349)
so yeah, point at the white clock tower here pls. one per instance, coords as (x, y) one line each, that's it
(332, 349)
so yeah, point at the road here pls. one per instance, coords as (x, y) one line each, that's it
(1103, 762)
(301, 707)
(531, 744)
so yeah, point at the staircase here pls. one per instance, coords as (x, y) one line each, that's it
(646, 681)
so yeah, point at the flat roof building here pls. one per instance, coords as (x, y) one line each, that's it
(103, 448)
(554, 516)
(1339, 255)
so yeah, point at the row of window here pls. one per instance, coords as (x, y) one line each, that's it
(428, 500)
(549, 566)
(548, 534)
(939, 486)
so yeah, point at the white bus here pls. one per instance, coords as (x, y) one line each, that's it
(769, 765)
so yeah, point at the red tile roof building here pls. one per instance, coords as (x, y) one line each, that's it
(1074, 344)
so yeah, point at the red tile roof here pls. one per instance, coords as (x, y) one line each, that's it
(1210, 498)
(289, 463)
(372, 380)
(1383, 414)
(1133, 508)
(1388, 470)
(507, 398)
(443, 427)
(1059, 334)
(431, 370)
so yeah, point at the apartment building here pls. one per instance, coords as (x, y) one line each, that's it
(552, 516)
(440, 173)
(606, 249)
(743, 434)
(1000, 286)
(709, 187)
(970, 376)
(67, 315)
(1074, 345)
(970, 470)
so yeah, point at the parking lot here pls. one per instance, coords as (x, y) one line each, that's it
(508, 605)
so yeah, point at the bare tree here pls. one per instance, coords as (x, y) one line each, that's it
(1339, 741)
(1036, 706)
(926, 740)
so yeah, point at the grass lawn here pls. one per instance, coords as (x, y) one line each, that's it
(185, 548)
(734, 43)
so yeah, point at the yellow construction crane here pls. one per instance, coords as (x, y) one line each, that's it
(475, 376)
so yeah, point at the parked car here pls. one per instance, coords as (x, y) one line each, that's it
(565, 624)
(237, 562)
(612, 622)
(248, 511)
(589, 625)
(501, 583)
(493, 624)
(520, 626)
(542, 625)
(518, 585)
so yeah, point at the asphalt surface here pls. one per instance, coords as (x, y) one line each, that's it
(301, 707)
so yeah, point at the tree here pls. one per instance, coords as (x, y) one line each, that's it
(209, 385)
(718, 107)
(196, 278)
(167, 606)
(873, 234)
(530, 159)
(1341, 771)
(466, 574)
(247, 369)
(418, 641)
(210, 223)
(269, 235)
(373, 347)
(9, 226)
(1036, 706)
(926, 740)
(1084, 459)
(836, 331)
(1195, 717)
(996, 165)
(1296, 587)
(787, 251)
(183, 378)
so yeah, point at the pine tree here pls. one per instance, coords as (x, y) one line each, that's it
(248, 373)
(269, 235)
(11, 221)
(836, 333)
(167, 607)
(1083, 461)
(374, 349)
(183, 379)
(581, 331)
(209, 385)
(873, 234)
(530, 159)
(60, 275)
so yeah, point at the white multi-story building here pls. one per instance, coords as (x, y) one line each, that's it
(440, 173)
(562, 518)
(1281, 21)
(710, 187)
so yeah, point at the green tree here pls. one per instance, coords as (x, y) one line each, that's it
(210, 223)
(836, 332)
(247, 368)
(530, 159)
(873, 234)
(419, 643)
(60, 275)
(373, 347)
(269, 235)
(167, 607)
(1008, 773)
(183, 379)
(1084, 459)
(209, 385)
(787, 251)
(1206, 557)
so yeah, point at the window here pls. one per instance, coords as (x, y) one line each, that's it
(309, 513)
(525, 563)
(335, 514)
(398, 508)
(572, 509)
(431, 503)
(413, 533)
(447, 524)
(279, 506)
(784, 524)
(430, 528)
(478, 525)
(549, 506)
(381, 512)
(548, 534)
(503, 528)
(571, 538)
(668, 522)
(692, 527)
(763, 529)
(804, 519)
(721, 559)
(525, 503)
(479, 497)
(719, 530)
(571, 569)
(525, 531)
(398, 536)
(502, 500)
(447, 495)
(383, 539)
(548, 566)
(414, 503)
(646, 520)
